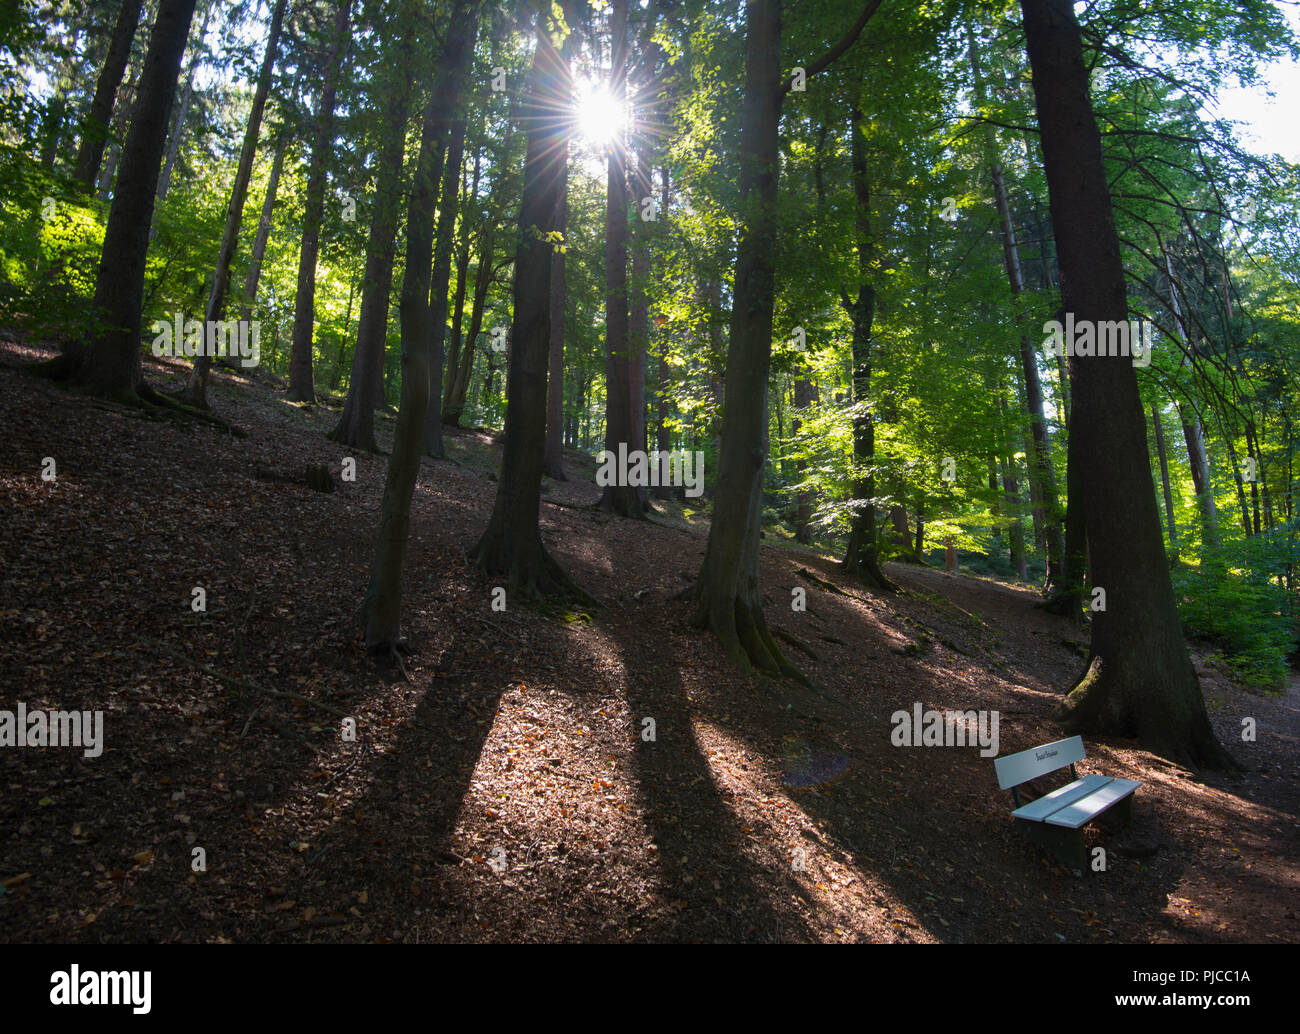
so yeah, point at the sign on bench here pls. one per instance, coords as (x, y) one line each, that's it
(1056, 820)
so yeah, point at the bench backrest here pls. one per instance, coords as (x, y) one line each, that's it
(1015, 769)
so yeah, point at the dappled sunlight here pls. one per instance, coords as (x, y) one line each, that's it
(784, 835)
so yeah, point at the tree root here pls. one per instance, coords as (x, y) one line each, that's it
(1098, 704)
(529, 570)
(784, 636)
(742, 633)
(1064, 603)
(56, 368)
(172, 406)
(821, 583)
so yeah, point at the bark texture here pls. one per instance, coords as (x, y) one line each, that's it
(94, 132)
(302, 383)
(1139, 681)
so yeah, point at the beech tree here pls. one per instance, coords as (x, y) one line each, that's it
(302, 384)
(863, 554)
(107, 359)
(380, 612)
(511, 546)
(94, 133)
(617, 495)
(196, 389)
(1139, 680)
(727, 596)
(356, 425)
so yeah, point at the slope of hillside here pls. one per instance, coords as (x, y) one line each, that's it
(505, 786)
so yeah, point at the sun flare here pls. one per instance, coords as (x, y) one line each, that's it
(602, 118)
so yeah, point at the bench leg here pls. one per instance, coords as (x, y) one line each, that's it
(1118, 815)
(1066, 845)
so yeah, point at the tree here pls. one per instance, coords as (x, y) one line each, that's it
(381, 610)
(94, 130)
(1139, 680)
(182, 106)
(1041, 473)
(302, 385)
(453, 132)
(511, 546)
(553, 454)
(618, 496)
(356, 426)
(863, 555)
(107, 360)
(197, 388)
(263, 228)
(459, 389)
(727, 596)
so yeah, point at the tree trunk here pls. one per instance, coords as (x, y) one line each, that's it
(618, 496)
(1238, 483)
(863, 556)
(337, 375)
(663, 403)
(553, 456)
(1252, 449)
(453, 117)
(381, 611)
(458, 307)
(511, 547)
(482, 281)
(1139, 680)
(1198, 459)
(995, 509)
(1067, 599)
(263, 229)
(638, 309)
(108, 360)
(727, 598)
(805, 394)
(1011, 488)
(94, 131)
(898, 518)
(1042, 476)
(356, 426)
(302, 385)
(181, 107)
(1164, 478)
(1193, 430)
(197, 388)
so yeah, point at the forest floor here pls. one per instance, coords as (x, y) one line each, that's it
(506, 791)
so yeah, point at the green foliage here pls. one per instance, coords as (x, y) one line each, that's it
(50, 243)
(1236, 602)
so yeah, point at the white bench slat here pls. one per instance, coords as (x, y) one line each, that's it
(1087, 809)
(1049, 804)
(1015, 769)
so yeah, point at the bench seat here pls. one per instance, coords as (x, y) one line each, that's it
(1077, 803)
(1084, 811)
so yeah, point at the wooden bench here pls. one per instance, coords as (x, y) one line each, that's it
(1056, 820)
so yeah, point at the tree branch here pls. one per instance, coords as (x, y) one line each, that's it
(835, 52)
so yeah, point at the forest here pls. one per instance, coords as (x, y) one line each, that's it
(620, 470)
